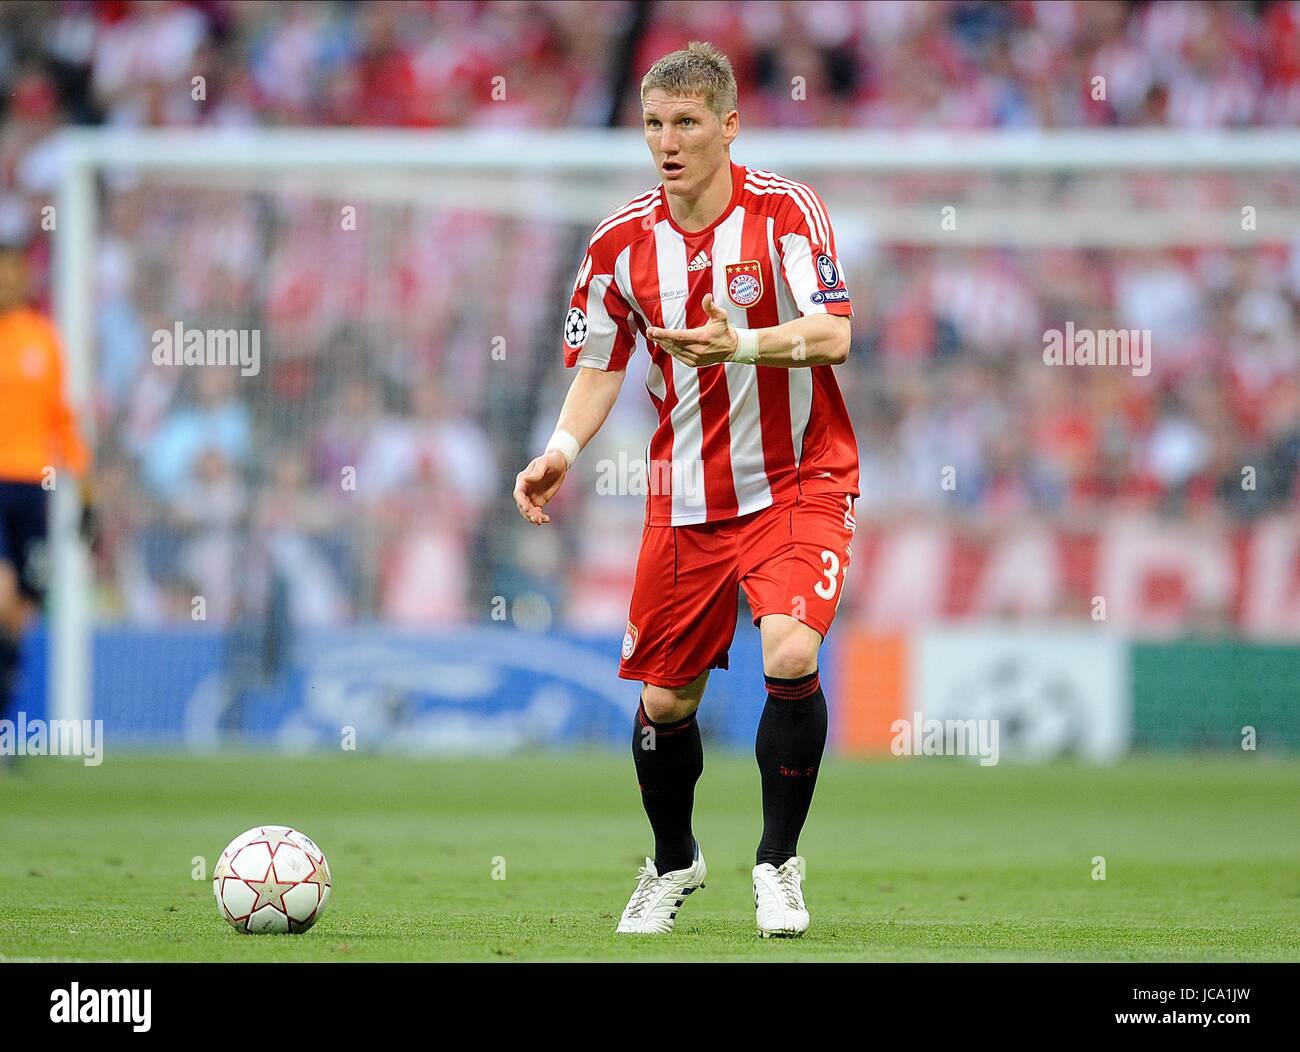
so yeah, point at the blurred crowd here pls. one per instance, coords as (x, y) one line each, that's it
(432, 63)
(954, 375)
(224, 486)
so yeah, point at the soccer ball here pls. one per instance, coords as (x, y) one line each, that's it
(271, 879)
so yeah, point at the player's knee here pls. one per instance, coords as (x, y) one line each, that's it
(794, 655)
(11, 600)
(668, 704)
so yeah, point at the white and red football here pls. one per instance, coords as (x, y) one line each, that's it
(272, 879)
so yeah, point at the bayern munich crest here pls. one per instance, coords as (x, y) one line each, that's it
(745, 283)
(575, 328)
(629, 641)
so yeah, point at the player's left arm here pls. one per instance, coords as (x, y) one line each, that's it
(814, 339)
(68, 439)
(67, 435)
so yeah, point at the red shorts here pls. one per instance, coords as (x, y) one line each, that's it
(790, 558)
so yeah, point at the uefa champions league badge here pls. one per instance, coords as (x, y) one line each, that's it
(827, 271)
(745, 283)
(629, 640)
(828, 274)
(575, 328)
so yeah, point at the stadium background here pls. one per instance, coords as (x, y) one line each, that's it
(420, 611)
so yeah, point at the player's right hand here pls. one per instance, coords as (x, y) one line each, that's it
(537, 483)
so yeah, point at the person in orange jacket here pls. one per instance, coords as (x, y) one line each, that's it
(39, 446)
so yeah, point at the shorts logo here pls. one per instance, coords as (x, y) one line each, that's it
(575, 328)
(827, 271)
(745, 282)
(629, 641)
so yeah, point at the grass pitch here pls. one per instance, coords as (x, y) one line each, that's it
(916, 860)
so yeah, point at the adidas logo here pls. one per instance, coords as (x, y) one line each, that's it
(700, 261)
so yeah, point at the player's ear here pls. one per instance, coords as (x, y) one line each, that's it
(730, 127)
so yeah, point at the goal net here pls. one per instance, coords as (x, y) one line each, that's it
(312, 362)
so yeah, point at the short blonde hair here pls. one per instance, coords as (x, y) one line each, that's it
(700, 70)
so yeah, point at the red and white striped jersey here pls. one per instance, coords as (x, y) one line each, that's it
(732, 438)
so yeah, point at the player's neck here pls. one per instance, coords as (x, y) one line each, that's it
(700, 211)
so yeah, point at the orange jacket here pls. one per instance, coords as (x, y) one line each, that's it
(37, 429)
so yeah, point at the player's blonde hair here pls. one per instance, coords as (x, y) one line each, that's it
(699, 70)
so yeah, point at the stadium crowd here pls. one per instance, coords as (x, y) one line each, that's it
(382, 369)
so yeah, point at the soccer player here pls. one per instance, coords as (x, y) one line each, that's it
(730, 274)
(37, 436)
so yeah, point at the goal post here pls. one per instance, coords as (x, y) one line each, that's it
(71, 586)
(1031, 190)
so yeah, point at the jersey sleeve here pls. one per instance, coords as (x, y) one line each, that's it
(67, 436)
(809, 264)
(599, 332)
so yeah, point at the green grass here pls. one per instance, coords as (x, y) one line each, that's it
(907, 860)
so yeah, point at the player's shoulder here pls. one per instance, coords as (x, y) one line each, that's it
(35, 324)
(767, 193)
(624, 225)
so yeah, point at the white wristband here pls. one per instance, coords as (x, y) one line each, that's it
(746, 346)
(566, 444)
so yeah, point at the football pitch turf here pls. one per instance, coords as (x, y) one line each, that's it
(908, 860)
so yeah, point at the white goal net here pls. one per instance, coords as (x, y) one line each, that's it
(387, 309)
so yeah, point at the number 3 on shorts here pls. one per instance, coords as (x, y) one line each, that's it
(827, 589)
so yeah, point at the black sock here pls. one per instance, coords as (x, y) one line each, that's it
(791, 738)
(10, 652)
(669, 759)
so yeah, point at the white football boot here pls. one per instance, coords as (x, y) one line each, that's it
(778, 899)
(653, 907)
